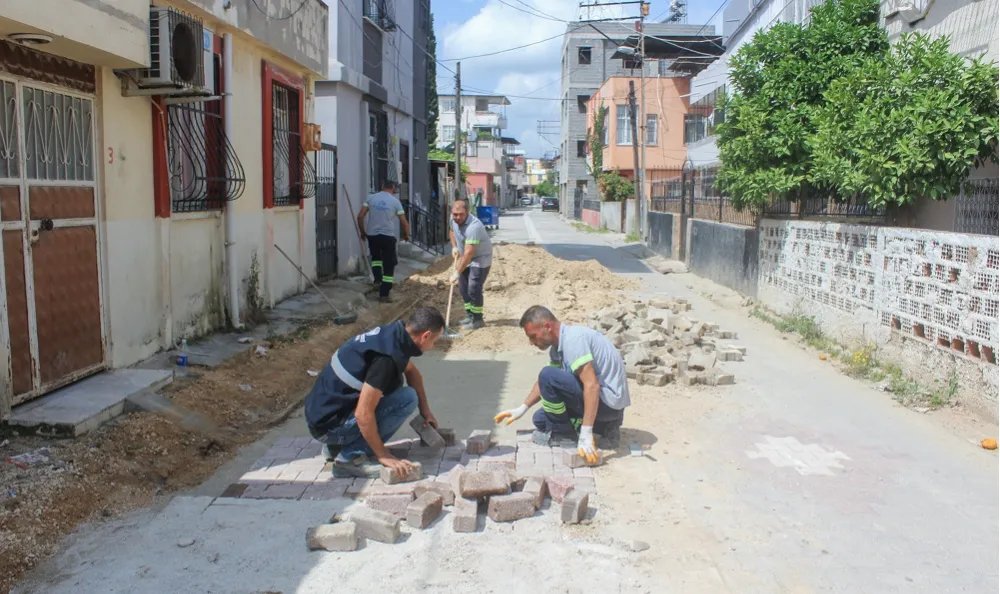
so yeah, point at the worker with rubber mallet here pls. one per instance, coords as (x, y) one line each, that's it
(583, 390)
(471, 245)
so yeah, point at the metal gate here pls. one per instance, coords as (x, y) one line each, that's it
(326, 211)
(578, 203)
(53, 322)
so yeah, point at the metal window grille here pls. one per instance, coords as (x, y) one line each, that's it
(204, 170)
(8, 130)
(294, 177)
(326, 211)
(58, 141)
(651, 129)
(978, 210)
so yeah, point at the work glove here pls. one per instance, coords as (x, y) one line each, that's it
(511, 415)
(585, 446)
(454, 277)
(454, 252)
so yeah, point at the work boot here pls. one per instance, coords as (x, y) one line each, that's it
(465, 322)
(553, 438)
(384, 299)
(361, 466)
(477, 324)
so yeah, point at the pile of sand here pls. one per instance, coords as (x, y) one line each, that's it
(520, 277)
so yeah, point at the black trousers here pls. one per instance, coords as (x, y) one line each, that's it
(470, 285)
(384, 260)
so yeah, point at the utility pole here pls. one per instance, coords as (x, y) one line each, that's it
(635, 154)
(459, 185)
(641, 203)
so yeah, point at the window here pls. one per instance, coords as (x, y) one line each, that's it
(651, 129)
(448, 133)
(581, 148)
(581, 103)
(604, 131)
(663, 67)
(695, 127)
(204, 170)
(631, 64)
(583, 55)
(448, 106)
(623, 126)
(292, 173)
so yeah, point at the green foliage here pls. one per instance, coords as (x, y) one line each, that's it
(614, 187)
(440, 155)
(545, 189)
(595, 143)
(908, 124)
(484, 135)
(779, 80)
(432, 94)
(829, 108)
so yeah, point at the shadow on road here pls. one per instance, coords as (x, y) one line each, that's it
(619, 260)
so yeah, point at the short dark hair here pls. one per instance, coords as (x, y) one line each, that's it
(425, 319)
(537, 314)
(388, 184)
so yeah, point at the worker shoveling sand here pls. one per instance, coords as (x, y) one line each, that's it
(524, 276)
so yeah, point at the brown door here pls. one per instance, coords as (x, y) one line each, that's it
(52, 290)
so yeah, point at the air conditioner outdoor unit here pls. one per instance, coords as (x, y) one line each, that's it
(180, 54)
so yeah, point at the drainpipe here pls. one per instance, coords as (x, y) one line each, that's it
(232, 273)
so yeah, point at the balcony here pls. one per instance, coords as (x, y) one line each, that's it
(489, 119)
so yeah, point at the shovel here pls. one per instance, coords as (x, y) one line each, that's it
(449, 332)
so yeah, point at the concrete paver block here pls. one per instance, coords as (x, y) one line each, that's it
(376, 525)
(507, 508)
(424, 510)
(574, 507)
(448, 435)
(559, 486)
(284, 490)
(730, 355)
(428, 435)
(473, 485)
(438, 487)
(391, 478)
(574, 460)
(700, 360)
(342, 536)
(393, 503)
(465, 515)
(720, 379)
(536, 487)
(478, 442)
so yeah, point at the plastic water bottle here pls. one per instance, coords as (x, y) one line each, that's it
(182, 356)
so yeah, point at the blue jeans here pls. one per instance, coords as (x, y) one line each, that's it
(390, 414)
(562, 405)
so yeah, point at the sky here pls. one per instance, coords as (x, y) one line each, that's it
(466, 28)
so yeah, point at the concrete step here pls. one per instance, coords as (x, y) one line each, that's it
(86, 404)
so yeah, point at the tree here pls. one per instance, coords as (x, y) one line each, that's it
(616, 188)
(907, 125)
(432, 94)
(595, 143)
(545, 189)
(779, 80)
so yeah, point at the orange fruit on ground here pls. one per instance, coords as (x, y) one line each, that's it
(989, 444)
(822, 357)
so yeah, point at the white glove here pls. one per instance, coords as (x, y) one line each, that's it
(511, 415)
(454, 251)
(587, 448)
(454, 277)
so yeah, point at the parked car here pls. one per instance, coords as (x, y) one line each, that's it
(550, 204)
(525, 200)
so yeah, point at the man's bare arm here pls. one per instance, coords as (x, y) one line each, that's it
(591, 393)
(415, 380)
(361, 221)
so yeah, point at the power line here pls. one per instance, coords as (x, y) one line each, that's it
(276, 18)
(510, 49)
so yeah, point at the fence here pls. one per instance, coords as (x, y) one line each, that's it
(693, 193)
(821, 207)
(427, 231)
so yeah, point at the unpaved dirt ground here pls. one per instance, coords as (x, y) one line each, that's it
(130, 462)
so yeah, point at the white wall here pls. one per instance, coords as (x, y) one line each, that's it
(971, 25)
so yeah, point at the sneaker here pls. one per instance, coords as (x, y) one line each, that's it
(542, 438)
(546, 439)
(330, 452)
(359, 467)
(466, 321)
(477, 324)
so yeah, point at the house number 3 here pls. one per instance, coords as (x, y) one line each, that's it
(111, 155)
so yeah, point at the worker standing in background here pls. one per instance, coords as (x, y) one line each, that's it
(583, 390)
(471, 244)
(380, 228)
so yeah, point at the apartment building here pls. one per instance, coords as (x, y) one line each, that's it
(483, 119)
(373, 110)
(586, 63)
(156, 155)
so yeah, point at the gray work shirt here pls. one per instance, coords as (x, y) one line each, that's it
(474, 235)
(384, 210)
(579, 345)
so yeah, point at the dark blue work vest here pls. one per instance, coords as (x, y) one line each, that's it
(338, 386)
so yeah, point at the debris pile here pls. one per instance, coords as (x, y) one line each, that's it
(507, 482)
(660, 344)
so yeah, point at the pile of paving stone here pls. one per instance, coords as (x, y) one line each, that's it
(509, 482)
(662, 343)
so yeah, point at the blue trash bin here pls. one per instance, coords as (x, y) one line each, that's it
(489, 215)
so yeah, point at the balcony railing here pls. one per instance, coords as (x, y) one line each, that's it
(380, 12)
